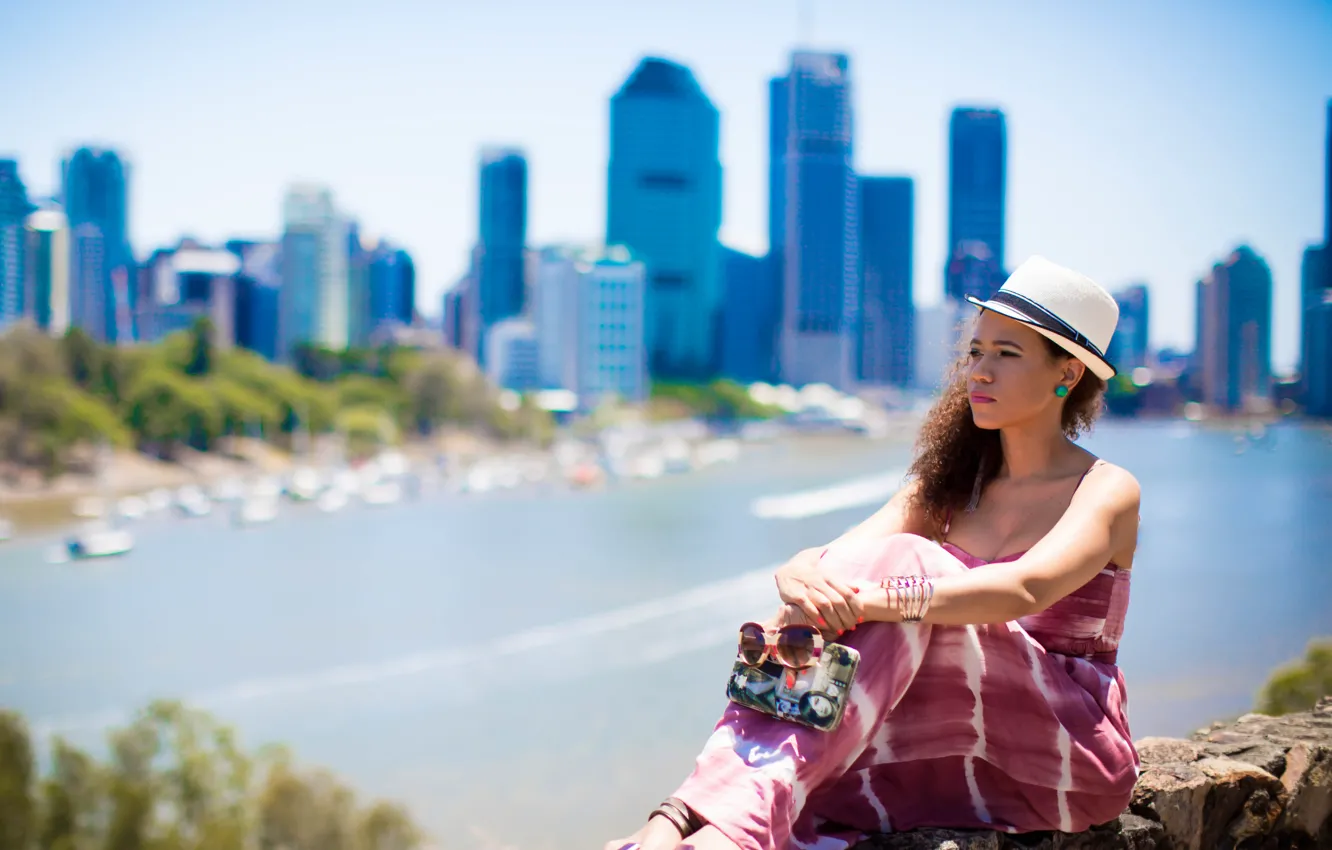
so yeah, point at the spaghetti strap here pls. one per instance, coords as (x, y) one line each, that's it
(1095, 464)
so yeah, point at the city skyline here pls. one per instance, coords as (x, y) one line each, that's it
(1139, 150)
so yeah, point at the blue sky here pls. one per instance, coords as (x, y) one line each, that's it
(1145, 138)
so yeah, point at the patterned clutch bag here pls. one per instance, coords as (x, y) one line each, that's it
(815, 696)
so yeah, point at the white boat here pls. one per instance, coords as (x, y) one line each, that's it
(304, 485)
(717, 451)
(266, 487)
(131, 507)
(255, 510)
(382, 493)
(347, 481)
(675, 454)
(392, 463)
(332, 500)
(98, 541)
(6, 530)
(227, 490)
(192, 502)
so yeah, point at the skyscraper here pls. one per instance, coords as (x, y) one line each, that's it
(1327, 179)
(453, 314)
(1316, 330)
(359, 323)
(1234, 347)
(887, 314)
(314, 300)
(186, 283)
(47, 270)
(96, 200)
(820, 239)
(257, 286)
(503, 238)
(590, 323)
(512, 355)
(1316, 306)
(14, 210)
(751, 317)
(977, 181)
(664, 203)
(1130, 345)
(392, 288)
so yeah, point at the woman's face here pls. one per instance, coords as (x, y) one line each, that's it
(1013, 377)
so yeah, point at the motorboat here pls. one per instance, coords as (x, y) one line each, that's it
(99, 541)
(255, 510)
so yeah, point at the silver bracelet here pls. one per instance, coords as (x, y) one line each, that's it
(912, 596)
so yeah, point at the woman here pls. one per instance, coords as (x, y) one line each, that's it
(999, 705)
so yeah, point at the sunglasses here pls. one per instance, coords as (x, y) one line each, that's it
(791, 646)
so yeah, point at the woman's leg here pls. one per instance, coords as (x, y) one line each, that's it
(709, 838)
(657, 834)
(755, 773)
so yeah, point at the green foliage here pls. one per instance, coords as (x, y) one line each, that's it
(366, 428)
(58, 396)
(167, 409)
(201, 348)
(720, 400)
(1298, 685)
(176, 779)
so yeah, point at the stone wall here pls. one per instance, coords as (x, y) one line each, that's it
(1259, 783)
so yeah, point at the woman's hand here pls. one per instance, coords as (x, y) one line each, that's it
(828, 602)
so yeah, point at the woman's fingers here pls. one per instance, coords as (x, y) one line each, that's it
(855, 609)
(807, 605)
(834, 615)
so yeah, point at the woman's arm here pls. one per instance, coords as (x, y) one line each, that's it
(1101, 522)
(826, 600)
(902, 514)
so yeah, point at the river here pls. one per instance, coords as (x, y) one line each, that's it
(537, 670)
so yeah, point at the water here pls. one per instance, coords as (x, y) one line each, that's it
(539, 670)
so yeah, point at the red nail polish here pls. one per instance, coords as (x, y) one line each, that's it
(861, 620)
(855, 589)
(822, 622)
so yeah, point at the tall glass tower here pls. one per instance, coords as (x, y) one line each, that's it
(500, 272)
(96, 201)
(14, 210)
(819, 236)
(977, 185)
(664, 203)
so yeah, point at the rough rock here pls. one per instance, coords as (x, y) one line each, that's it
(1257, 783)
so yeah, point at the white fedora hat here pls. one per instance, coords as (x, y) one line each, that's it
(1069, 308)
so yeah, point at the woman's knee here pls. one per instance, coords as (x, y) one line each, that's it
(897, 555)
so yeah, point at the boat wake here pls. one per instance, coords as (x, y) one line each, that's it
(859, 492)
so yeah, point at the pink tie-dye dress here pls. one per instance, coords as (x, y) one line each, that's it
(1018, 726)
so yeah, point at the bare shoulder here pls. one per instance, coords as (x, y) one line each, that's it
(1114, 493)
(1112, 486)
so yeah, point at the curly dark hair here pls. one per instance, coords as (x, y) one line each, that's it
(952, 452)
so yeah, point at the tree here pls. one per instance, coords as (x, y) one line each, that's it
(202, 335)
(18, 815)
(82, 356)
(432, 393)
(176, 779)
(72, 803)
(1296, 686)
(166, 409)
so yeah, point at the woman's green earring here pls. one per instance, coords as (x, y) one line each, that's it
(1061, 390)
